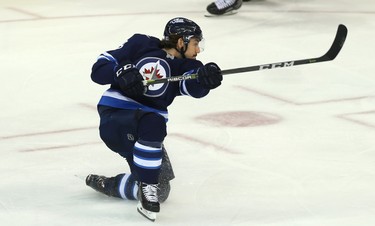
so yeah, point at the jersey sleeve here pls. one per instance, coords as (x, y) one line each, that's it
(192, 87)
(104, 69)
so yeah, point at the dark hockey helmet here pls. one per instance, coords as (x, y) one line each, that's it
(182, 27)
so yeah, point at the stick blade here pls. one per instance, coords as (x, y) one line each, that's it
(338, 43)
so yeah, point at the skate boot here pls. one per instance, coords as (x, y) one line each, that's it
(148, 204)
(102, 184)
(221, 7)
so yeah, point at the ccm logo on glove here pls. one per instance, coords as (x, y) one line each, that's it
(130, 81)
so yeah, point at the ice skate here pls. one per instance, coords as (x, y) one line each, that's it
(223, 7)
(101, 184)
(148, 204)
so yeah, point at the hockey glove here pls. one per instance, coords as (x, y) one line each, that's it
(130, 81)
(209, 76)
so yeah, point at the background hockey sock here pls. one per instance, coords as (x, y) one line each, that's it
(127, 186)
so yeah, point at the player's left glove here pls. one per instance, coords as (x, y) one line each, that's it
(130, 81)
(210, 76)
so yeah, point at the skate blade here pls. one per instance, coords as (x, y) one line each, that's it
(147, 214)
(225, 14)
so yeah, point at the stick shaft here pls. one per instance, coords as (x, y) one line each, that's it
(328, 56)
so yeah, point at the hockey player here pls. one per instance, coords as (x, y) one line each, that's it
(225, 7)
(133, 116)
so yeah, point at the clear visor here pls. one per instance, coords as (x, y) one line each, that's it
(201, 45)
(201, 41)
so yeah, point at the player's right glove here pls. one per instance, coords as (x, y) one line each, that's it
(210, 76)
(130, 81)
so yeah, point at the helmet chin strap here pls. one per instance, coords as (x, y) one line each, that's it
(182, 51)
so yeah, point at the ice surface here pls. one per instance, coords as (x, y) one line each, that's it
(286, 147)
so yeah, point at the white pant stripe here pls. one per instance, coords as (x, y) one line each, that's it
(147, 164)
(122, 185)
(146, 148)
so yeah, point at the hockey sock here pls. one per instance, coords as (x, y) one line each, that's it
(147, 158)
(127, 186)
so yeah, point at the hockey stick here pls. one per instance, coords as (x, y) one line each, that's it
(328, 56)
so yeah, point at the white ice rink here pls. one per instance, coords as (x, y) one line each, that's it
(284, 147)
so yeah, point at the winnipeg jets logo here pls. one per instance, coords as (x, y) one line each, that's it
(153, 68)
(153, 73)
